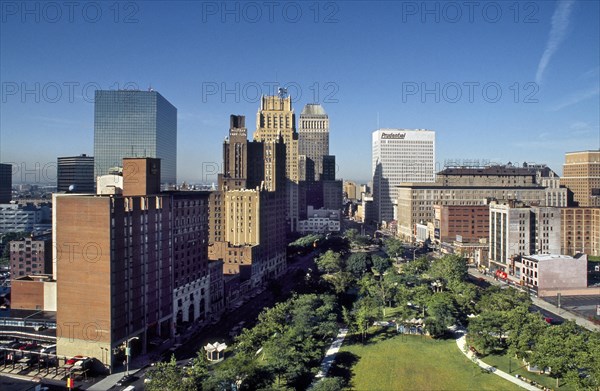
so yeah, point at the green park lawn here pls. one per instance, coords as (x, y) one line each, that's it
(517, 367)
(405, 362)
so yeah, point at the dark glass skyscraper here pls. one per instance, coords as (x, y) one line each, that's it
(5, 183)
(134, 124)
(75, 171)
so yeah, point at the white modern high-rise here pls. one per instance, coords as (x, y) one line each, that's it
(400, 155)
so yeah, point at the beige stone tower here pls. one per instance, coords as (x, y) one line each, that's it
(581, 174)
(275, 119)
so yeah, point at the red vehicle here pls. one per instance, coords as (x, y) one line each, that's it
(73, 360)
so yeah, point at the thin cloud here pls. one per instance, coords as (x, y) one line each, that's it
(577, 97)
(558, 31)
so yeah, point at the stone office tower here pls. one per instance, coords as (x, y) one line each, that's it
(246, 228)
(276, 119)
(313, 136)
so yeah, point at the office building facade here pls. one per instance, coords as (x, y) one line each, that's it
(5, 183)
(468, 223)
(276, 120)
(313, 136)
(472, 186)
(517, 229)
(399, 155)
(247, 231)
(75, 174)
(134, 124)
(30, 256)
(581, 174)
(580, 231)
(143, 254)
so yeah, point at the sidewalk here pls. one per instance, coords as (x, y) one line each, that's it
(461, 341)
(544, 304)
(141, 362)
(330, 355)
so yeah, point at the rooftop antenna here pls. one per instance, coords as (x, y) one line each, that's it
(378, 120)
(150, 89)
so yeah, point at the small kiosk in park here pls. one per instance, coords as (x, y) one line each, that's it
(215, 351)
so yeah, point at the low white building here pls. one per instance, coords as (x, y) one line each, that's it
(320, 221)
(552, 272)
(19, 218)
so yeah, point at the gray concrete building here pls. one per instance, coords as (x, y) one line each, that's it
(313, 136)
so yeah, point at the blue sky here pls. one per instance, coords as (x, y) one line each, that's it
(507, 81)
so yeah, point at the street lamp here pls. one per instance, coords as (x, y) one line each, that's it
(128, 353)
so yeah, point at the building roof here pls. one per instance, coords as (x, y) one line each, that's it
(491, 170)
(313, 109)
(548, 257)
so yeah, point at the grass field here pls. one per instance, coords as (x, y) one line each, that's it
(403, 362)
(517, 367)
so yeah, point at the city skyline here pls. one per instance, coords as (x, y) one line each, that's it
(384, 73)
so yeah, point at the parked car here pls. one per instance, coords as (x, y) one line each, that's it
(126, 380)
(73, 360)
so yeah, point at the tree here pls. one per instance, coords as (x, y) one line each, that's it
(358, 264)
(592, 368)
(487, 331)
(561, 348)
(340, 281)
(167, 376)
(403, 296)
(305, 243)
(351, 234)
(496, 299)
(330, 262)
(285, 360)
(417, 267)
(393, 247)
(239, 372)
(441, 312)
(380, 264)
(330, 384)
(382, 288)
(523, 328)
(465, 296)
(451, 269)
(198, 370)
(366, 311)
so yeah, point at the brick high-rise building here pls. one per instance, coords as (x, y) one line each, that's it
(470, 222)
(247, 232)
(580, 231)
(581, 174)
(31, 255)
(276, 120)
(131, 264)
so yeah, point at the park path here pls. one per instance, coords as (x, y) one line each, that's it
(330, 355)
(461, 341)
